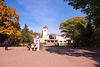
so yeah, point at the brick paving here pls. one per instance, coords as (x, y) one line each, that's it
(48, 57)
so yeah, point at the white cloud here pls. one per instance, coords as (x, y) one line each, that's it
(42, 12)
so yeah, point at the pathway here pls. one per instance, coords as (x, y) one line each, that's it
(50, 57)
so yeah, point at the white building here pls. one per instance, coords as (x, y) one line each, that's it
(51, 38)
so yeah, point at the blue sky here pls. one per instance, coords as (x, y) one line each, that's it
(38, 13)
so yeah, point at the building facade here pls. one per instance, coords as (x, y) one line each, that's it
(51, 38)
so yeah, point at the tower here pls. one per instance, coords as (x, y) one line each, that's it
(45, 32)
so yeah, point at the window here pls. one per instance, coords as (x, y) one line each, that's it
(48, 41)
(52, 41)
(60, 41)
(52, 36)
(64, 41)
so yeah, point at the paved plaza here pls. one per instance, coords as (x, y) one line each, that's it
(49, 57)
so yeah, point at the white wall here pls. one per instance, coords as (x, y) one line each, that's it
(45, 32)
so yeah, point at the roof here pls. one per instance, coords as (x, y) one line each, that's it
(52, 34)
(34, 36)
(68, 39)
(45, 27)
(55, 34)
(51, 40)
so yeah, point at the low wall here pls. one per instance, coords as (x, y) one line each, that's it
(50, 44)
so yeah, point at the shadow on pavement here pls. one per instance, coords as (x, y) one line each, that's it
(77, 52)
(9, 49)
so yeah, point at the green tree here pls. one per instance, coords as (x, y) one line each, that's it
(30, 38)
(90, 7)
(90, 35)
(79, 35)
(97, 35)
(69, 26)
(26, 35)
(31, 32)
(84, 36)
(35, 33)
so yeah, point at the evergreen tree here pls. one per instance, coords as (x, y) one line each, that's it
(79, 35)
(24, 32)
(91, 40)
(26, 35)
(35, 33)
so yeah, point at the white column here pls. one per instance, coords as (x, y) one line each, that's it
(38, 47)
(50, 41)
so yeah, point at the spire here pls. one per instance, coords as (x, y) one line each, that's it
(45, 27)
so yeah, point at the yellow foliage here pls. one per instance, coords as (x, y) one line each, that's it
(1, 7)
(10, 21)
(69, 25)
(11, 18)
(1, 18)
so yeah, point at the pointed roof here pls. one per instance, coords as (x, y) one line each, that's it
(45, 27)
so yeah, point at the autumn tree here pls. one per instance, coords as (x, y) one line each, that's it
(9, 21)
(68, 26)
(15, 39)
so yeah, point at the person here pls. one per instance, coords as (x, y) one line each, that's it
(6, 44)
(37, 42)
(35, 47)
(29, 46)
(58, 43)
(32, 47)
